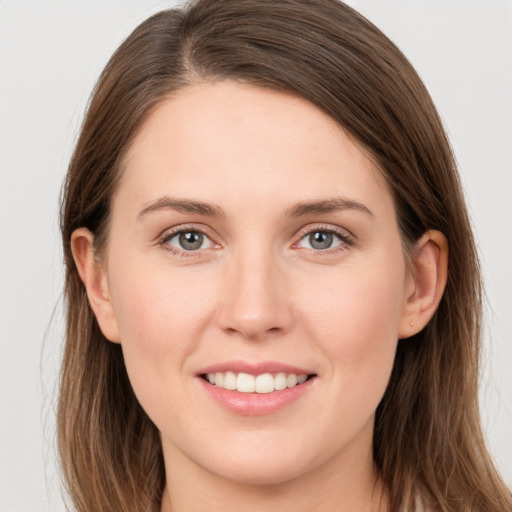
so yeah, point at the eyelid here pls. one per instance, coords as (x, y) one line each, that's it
(170, 233)
(346, 237)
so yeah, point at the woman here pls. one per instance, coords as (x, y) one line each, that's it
(273, 291)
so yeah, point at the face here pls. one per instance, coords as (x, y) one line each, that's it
(253, 246)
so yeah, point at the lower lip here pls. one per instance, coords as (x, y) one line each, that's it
(256, 404)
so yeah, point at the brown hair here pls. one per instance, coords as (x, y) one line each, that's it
(427, 439)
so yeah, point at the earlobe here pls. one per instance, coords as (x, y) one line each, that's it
(92, 274)
(426, 282)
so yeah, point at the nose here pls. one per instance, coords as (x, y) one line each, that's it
(257, 303)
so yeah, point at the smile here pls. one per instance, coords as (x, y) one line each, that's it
(262, 383)
(254, 389)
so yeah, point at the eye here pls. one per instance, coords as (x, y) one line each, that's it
(322, 239)
(187, 240)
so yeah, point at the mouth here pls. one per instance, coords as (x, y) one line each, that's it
(256, 389)
(262, 383)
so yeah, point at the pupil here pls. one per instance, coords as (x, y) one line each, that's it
(320, 240)
(191, 240)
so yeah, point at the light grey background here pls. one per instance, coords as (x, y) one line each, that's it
(51, 52)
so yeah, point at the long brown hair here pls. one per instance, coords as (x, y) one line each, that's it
(427, 439)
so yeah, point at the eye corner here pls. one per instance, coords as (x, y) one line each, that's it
(331, 239)
(189, 241)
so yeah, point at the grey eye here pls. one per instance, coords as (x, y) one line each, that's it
(320, 240)
(190, 240)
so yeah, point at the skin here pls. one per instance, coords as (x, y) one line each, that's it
(256, 291)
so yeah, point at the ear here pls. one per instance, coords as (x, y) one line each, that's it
(425, 283)
(92, 274)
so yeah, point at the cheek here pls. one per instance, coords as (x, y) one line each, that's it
(161, 315)
(357, 303)
(159, 305)
(355, 324)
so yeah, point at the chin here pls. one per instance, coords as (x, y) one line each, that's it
(271, 464)
(268, 473)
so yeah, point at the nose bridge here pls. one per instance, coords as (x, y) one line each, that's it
(256, 302)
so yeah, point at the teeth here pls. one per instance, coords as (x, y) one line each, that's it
(291, 380)
(280, 381)
(229, 380)
(264, 383)
(219, 377)
(244, 383)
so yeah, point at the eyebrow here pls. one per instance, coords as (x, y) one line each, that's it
(298, 210)
(328, 206)
(182, 205)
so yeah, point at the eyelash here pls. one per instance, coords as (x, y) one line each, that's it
(164, 241)
(346, 240)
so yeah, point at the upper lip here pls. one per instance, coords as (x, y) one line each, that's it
(254, 368)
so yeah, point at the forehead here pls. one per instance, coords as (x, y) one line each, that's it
(226, 140)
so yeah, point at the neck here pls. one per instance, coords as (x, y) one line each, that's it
(277, 499)
(342, 484)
